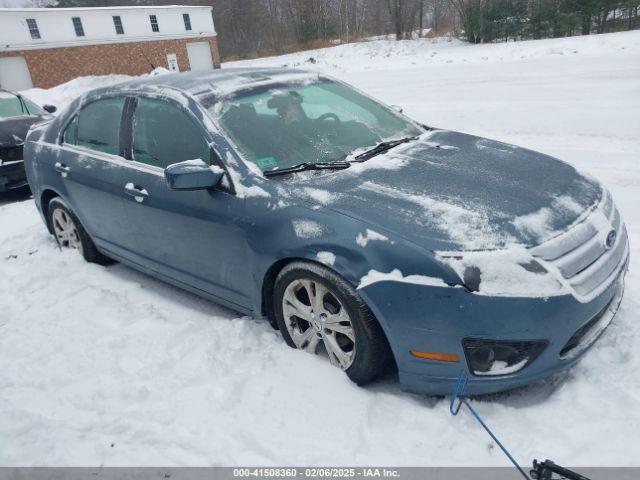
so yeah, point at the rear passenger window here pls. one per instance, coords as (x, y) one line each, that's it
(164, 134)
(98, 125)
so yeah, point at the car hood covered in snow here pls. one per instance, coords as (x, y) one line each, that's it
(449, 190)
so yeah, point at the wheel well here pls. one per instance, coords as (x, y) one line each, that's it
(268, 284)
(45, 198)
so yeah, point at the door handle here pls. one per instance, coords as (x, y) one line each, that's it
(62, 169)
(140, 194)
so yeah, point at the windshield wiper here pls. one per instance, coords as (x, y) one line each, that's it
(381, 148)
(308, 166)
(23, 104)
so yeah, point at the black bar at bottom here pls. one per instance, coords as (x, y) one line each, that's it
(287, 473)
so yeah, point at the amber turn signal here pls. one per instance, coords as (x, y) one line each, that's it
(443, 357)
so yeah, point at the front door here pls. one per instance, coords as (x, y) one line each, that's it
(194, 237)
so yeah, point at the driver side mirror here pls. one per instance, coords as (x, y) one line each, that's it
(50, 108)
(192, 175)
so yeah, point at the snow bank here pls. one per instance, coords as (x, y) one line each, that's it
(381, 54)
(64, 94)
(159, 71)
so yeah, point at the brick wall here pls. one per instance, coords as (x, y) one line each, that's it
(53, 66)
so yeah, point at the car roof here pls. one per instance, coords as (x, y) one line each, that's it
(7, 93)
(218, 83)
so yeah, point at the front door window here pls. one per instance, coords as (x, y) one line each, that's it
(163, 134)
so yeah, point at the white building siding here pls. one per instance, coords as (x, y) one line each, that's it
(56, 27)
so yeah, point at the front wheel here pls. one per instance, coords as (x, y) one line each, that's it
(70, 233)
(318, 310)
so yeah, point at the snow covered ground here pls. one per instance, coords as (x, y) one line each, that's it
(106, 366)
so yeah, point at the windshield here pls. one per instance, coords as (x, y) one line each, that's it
(11, 106)
(308, 123)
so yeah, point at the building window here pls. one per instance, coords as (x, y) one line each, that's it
(117, 22)
(154, 23)
(33, 28)
(187, 21)
(77, 24)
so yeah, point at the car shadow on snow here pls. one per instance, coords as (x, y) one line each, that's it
(17, 195)
(182, 297)
(529, 395)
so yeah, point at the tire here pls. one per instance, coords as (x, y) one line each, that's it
(364, 353)
(69, 232)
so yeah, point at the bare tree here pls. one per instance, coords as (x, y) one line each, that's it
(403, 15)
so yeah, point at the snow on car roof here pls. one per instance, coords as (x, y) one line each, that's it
(219, 82)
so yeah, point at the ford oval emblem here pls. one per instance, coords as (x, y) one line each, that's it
(611, 238)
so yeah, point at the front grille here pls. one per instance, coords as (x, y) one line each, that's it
(581, 254)
(10, 154)
(577, 337)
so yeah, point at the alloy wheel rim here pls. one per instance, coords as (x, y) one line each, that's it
(313, 314)
(65, 230)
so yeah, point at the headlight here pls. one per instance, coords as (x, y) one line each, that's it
(500, 357)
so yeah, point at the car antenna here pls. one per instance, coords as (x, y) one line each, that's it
(540, 471)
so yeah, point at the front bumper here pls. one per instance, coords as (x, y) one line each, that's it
(12, 175)
(454, 314)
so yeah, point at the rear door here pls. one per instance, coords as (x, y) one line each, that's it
(194, 237)
(91, 166)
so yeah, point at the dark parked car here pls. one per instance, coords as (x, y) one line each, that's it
(356, 231)
(17, 114)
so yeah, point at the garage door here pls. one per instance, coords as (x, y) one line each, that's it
(199, 56)
(14, 73)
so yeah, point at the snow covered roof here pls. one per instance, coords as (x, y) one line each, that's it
(220, 82)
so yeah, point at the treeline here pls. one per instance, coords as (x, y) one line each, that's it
(262, 27)
(251, 28)
(503, 20)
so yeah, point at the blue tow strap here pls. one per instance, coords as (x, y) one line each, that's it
(458, 393)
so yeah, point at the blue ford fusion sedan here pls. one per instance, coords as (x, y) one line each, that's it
(360, 234)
